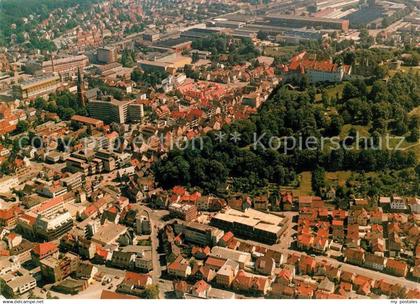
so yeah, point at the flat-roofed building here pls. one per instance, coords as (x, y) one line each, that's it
(155, 66)
(108, 233)
(35, 87)
(109, 110)
(77, 165)
(65, 65)
(199, 233)
(18, 284)
(56, 269)
(243, 258)
(186, 212)
(7, 183)
(72, 182)
(135, 112)
(108, 159)
(9, 264)
(303, 21)
(252, 224)
(106, 55)
(89, 121)
(52, 227)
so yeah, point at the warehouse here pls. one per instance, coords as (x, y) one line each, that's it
(252, 224)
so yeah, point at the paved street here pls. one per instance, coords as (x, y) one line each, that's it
(156, 222)
(348, 267)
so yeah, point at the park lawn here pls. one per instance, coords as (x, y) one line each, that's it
(362, 130)
(305, 187)
(274, 51)
(338, 177)
(331, 92)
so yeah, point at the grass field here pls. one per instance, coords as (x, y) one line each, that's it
(305, 185)
(279, 50)
(331, 92)
(339, 177)
(362, 130)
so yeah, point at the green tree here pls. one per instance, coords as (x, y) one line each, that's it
(22, 126)
(414, 135)
(195, 57)
(151, 292)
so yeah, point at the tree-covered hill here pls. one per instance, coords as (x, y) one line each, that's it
(294, 114)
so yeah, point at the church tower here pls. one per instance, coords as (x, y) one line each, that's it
(81, 88)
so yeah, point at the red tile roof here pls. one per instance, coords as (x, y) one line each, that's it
(227, 236)
(6, 214)
(138, 279)
(201, 286)
(48, 204)
(111, 295)
(45, 248)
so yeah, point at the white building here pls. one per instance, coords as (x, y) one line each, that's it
(9, 264)
(7, 183)
(398, 203)
(19, 284)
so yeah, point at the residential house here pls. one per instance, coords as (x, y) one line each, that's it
(358, 216)
(320, 243)
(215, 263)
(396, 267)
(374, 261)
(265, 265)
(385, 202)
(338, 230)
(287, 201)
(86, 272)
(179, 268)
(398, 204)
(200, 289)
(305, 241)
(227, 273)
(363, 285)
(261, 202)
(305, 291)
(333, 273)
(280, 291)
(205, 273)
(181, 288)
(124, 260)
(285, 276)
(249, 283)
(307, 265)
(278, 256)
(135, 283)
(42, 251)
(227, 237)
(326, 285)
(354, 256)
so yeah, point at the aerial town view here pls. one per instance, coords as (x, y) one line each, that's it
(209, 149)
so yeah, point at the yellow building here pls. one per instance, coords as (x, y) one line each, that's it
(37, 86)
